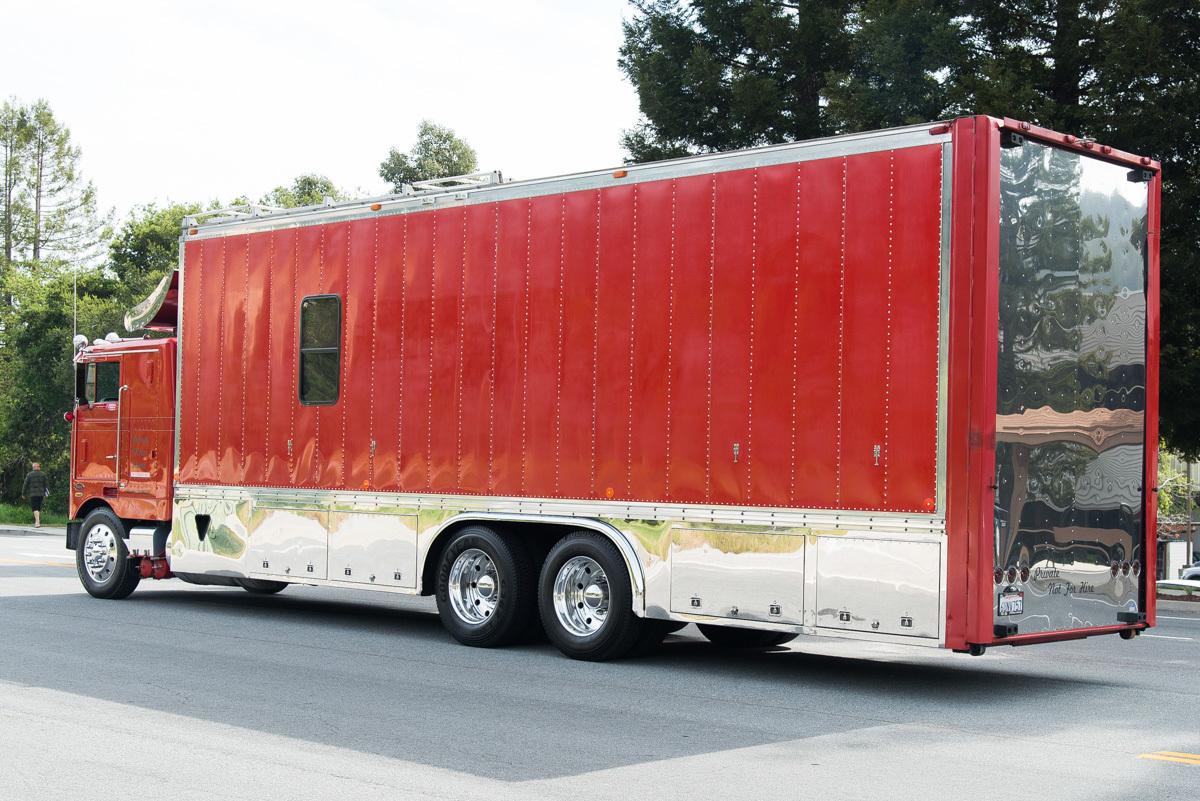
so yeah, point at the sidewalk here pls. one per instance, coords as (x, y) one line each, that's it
(46, 531)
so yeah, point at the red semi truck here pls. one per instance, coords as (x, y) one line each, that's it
(895, 386)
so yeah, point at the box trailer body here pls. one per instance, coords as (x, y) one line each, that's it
(897, 386)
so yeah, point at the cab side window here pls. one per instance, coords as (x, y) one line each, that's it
(103, 382)
(320, 349)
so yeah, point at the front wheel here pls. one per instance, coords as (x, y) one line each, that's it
(586, 601)
(101, 558)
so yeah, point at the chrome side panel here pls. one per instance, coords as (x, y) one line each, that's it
(288, 542)
(749, 568)
(372, 549)
(738, 575)
(868, 583)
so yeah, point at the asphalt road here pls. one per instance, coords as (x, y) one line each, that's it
(188, 692)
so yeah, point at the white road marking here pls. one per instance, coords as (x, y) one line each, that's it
(1165, 617)
(1165, 637)
(48, 556)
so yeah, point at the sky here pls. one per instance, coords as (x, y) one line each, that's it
(218, 99)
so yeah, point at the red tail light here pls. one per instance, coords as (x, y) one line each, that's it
(1137, 567)
(68, 416)
(1114, 568)
(1024, 573)
(1012, 575)
(1124, 568)
(999, 575)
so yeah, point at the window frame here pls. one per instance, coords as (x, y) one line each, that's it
(301, 350)
(91, 382)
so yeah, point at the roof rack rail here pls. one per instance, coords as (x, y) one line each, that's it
(452, 182)
(238, 211)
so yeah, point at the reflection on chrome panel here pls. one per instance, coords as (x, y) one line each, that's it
(1071, 395)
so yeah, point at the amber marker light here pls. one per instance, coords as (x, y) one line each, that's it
(608, 493)
(376, 206)
(193, 231)
(620, 173)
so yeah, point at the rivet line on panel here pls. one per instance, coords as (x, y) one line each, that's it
(245, 358)
(632, 346)
(318, 459)
(670, 340)
(525, 337)
(221, 364)
(344, 363)
(562, 272)
(198, 328)
(887, 342)
(753, 301)
(492, 368)
(712, 292)
(937, 367)
(270, 352)
(841, 339)
(401, 393)
(462, 314)
(595, 347)
(295, 349)
(432, 328)
(374, 329)
(795, 342)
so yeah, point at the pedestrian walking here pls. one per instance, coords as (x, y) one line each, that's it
(35, 489)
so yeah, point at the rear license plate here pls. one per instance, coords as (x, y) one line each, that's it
(1012, 603)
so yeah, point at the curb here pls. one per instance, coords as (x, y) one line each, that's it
(30, 531)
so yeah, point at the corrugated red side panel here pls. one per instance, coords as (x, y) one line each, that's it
(746, 337)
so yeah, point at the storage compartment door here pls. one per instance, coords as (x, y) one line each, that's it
(373, 549)
(288, 542)
(878, 585)
(744, 576)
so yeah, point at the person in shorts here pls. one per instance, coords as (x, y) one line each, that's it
(35, 489)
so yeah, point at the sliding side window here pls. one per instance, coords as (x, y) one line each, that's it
(320, 349)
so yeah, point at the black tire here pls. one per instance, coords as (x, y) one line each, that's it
(121, 576)
(262, 586)
(621, 632)
(730, 637)
(514, 586)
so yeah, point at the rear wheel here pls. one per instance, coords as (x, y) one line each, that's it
(262, 586)
(101, 558)
(586, 601)
(486, 588)
(730, 637)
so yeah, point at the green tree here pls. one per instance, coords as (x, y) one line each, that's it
(63, 223)
(722, 74)
(437, 153)
(146, 246)
(14, 142)
(308, 189)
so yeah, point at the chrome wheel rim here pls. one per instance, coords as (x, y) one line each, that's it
(100, 552)
(474, 587)
(581, 596)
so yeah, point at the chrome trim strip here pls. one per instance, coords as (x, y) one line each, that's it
(745, 515)
(809, 150)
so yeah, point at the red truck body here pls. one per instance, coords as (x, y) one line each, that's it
(784, 351)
